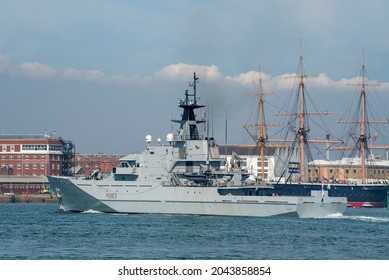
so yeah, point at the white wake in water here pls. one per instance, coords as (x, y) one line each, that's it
(368, 219)
(359, 218)
(90, 211)
(335, 216)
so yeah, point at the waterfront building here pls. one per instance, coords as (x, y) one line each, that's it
(35, 155)
(85, 164)
(348, 170)
(23, 184)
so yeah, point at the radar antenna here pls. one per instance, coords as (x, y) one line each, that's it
(193, 84)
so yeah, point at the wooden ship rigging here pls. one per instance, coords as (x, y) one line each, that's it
(363, 138)
(301, 133)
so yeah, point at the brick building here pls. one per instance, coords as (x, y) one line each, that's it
(23, 184)
(35, 155)
(86, 163)
(349, 170)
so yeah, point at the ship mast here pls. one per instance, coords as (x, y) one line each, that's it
(261, 127)
(362, 136)
(188, 129)
(302, 131)
(261, 140)
(363, 122)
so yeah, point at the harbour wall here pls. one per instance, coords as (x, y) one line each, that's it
(32, 198)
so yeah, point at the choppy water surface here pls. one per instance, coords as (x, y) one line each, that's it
(41, 231)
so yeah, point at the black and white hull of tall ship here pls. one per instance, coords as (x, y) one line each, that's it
(184, 176)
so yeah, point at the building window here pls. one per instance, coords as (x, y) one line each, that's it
(42, 166)
(3, 157)
(11, 157)
(34, 166)
(55, 147)
(34, 147)
(27, 157)
(34, 156)
(19, 166)
(12, 148)
(43, 156)
(4, 148)
(26, 166)
(19, 156)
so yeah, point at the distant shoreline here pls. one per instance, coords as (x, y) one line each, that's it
(32, 198)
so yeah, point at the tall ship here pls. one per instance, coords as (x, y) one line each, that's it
(185, 176)
(298, 173)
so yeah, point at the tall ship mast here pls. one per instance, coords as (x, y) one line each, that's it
(261, 139)
(301, 133)
(369, 193)
(362, 143)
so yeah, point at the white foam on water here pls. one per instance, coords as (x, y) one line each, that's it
(369, 219)
(336, 215)
(358, 218)
(331, 216)
(120, 214)
(91, 211)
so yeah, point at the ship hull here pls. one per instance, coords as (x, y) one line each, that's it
(368, 204)
(111, 196)
(358, 196)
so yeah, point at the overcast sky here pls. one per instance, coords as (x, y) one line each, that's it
(104, 74)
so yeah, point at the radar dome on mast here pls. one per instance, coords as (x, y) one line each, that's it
(148, 139)
(170, 137)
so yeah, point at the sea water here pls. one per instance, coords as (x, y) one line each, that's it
(42, 231)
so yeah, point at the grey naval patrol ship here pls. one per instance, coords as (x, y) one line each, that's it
(185, 176)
